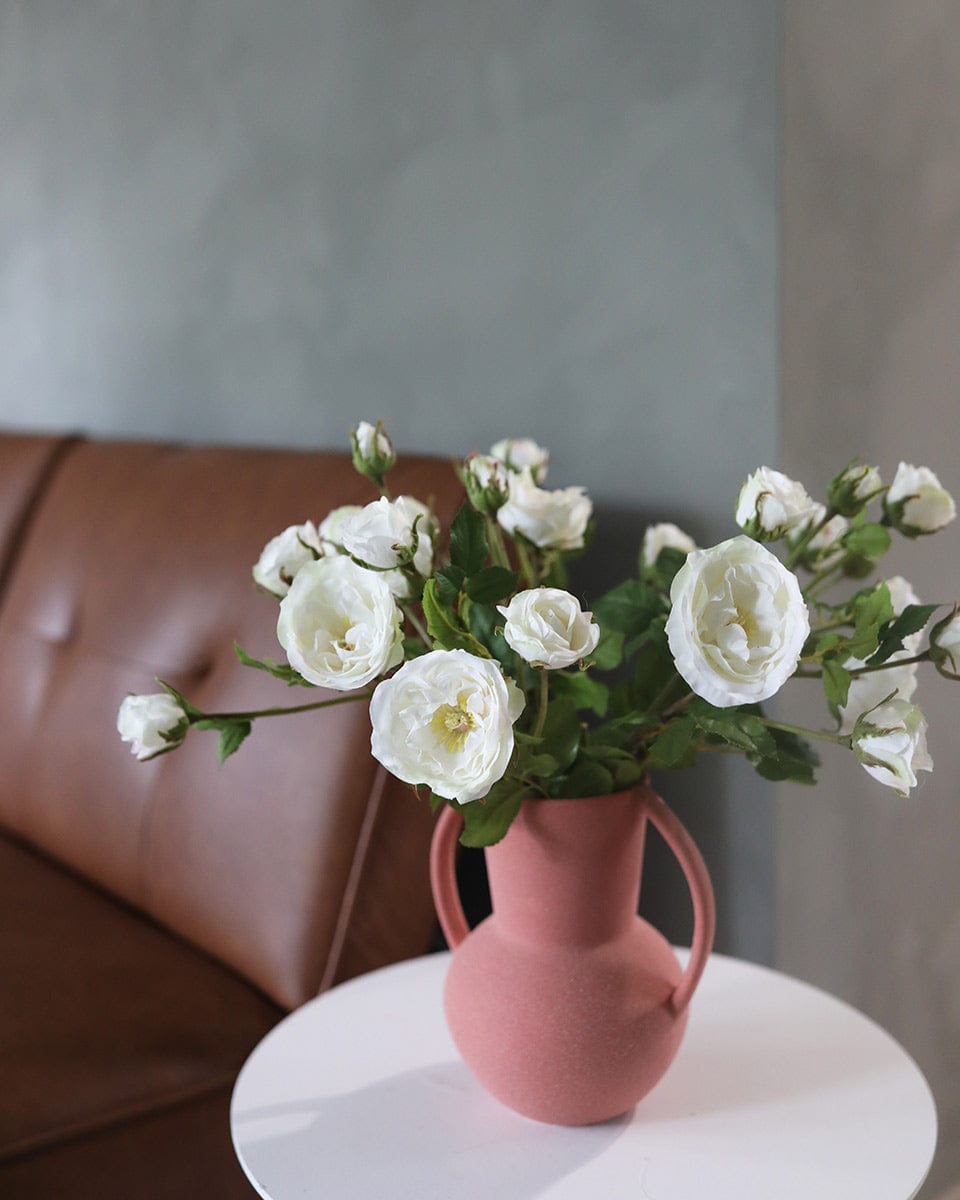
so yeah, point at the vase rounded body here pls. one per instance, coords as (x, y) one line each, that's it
(564, 1004)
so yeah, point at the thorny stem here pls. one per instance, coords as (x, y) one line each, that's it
(836, 738)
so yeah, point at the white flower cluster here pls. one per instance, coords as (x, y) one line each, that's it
(737, 623)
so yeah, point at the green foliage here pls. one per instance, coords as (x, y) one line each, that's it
(836, 683)
(279, 670)
(491, 584)
(675, 745)
(609, 651)
(443, 623)
(628, 608)
(468, 541)
(486, 821)
(583, 690)
(892, 635)
(793, 759)
(233, 733)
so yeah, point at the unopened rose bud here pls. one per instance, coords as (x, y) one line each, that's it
(373, 453)
(916, 503)
(850, 491)
(890, 742)
(283, 556)
(485, 479)
(771, 504)
(945, 646)
(664, 537)
(152, 724)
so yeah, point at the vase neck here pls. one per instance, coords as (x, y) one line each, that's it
(568, 871)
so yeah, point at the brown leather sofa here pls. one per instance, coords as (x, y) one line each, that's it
(159, 918)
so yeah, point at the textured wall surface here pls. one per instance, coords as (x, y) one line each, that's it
(243, 222)
(869, 883)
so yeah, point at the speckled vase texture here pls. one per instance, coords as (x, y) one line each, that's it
(564, 1003)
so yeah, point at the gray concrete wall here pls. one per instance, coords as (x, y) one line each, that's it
(869, 883)
(259, 223)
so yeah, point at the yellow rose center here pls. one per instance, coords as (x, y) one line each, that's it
(452, 723)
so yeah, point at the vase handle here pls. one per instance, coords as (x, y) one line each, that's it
(675, 834)
(443, 877)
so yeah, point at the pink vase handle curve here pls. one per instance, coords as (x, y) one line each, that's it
(443, 879)
(684, 848)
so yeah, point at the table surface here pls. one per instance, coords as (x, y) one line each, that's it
(778, 1091)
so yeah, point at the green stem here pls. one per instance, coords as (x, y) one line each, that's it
(544, 703)
(821, 578)
(420, 631)
(496, 543)
(923, 656)
(797, 552)
(526, 566)
(280, 712)
(822, 734)
(663, 696)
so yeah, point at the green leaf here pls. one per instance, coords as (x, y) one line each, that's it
(484, 621)
(587, 778)
(793, 759)
(232, 737)
(413, 647)
(836, 683)
(740, 729)
(913, 618)
(436, 802)
(872, 609)
(671, 747)
(626, 774)
(628, 608)
(468, 541)
(583, 690)
(486, 821)
(538, 766)
(449, 581)
(491, 584)
(669, 561)
(561, 732)
(279, 670)
(609, 651)
(869, 541)
(443, 625)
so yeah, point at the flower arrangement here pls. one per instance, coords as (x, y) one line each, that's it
(489, 683)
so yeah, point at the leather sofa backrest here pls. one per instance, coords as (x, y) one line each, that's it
(298, 862)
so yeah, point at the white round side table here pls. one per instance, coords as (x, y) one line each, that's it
(778, 1091)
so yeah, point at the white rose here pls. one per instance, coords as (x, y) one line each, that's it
(330, 528)
(380, 533)
(664, 537)
(869, 689)
(339, 624)
(825, 544)
(554, 520)
(770, 504)
(891, 744)
(916, 502)
(143, 721)
(518, 454)
(283, 556)
(446, 720)
(737, 622)
(547, 627)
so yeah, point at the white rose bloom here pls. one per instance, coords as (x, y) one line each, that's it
(519, 454)
(865, 480)
(868, 690)
(547, 627)
(891, 744)
(143, 720)
(737, 622)
(770, 504)
(330, 529)
(664, 537)
(374, 533)
(551, 520)
(927, 506)
(339, 624)
(283, 556)
(446, 720)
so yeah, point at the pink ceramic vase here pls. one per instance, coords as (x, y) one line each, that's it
(565, 1004)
